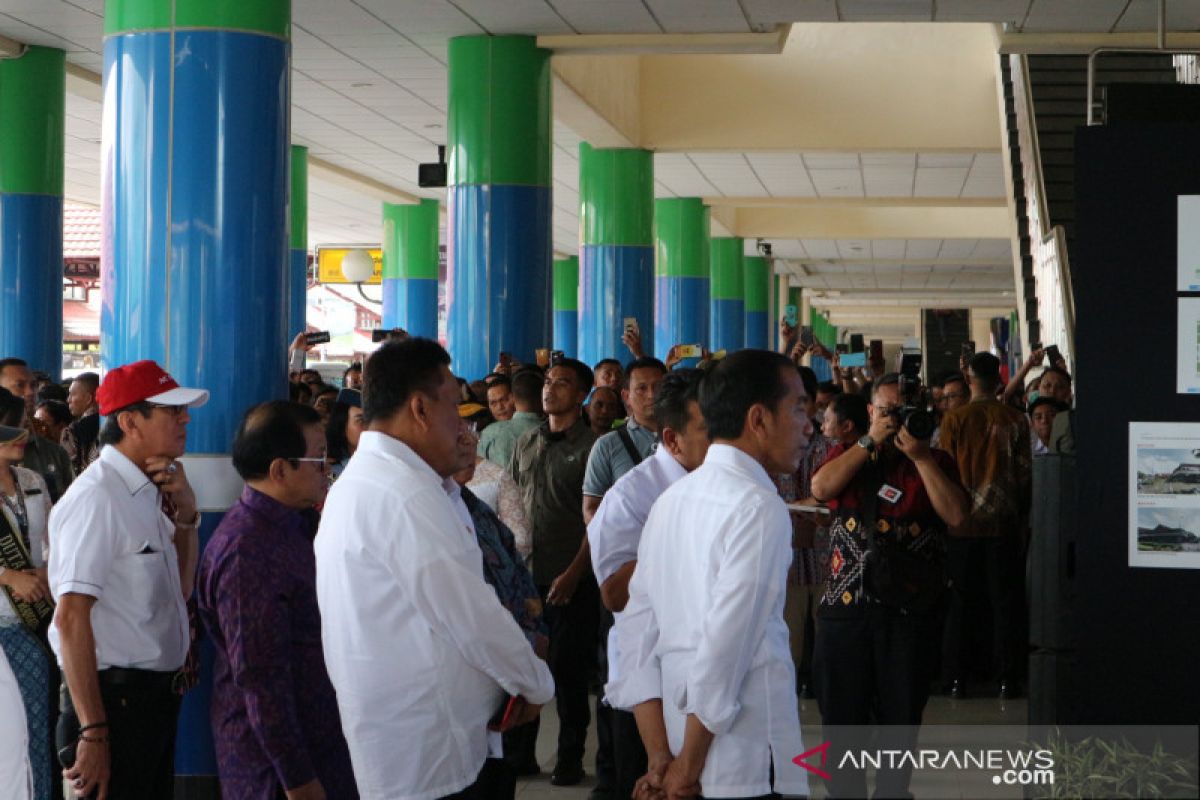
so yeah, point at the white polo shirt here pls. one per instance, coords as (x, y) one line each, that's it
(110, 539)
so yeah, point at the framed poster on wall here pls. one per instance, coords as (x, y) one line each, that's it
(1164, 495)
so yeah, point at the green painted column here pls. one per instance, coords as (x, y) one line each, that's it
(32, 102)
(727, 321)
(566, 305)
(681, 288)
(499, 201)
(616, 231)
(410, 267)
(757, 277)
(298, 235)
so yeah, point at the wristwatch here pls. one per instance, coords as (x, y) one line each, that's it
(867, 443)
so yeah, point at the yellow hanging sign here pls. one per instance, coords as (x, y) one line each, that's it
(329, 264)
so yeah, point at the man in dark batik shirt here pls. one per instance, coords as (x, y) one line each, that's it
(274, 712)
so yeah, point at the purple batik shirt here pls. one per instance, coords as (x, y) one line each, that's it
(274, 713)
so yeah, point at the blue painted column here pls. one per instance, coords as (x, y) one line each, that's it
(410, 267)
(727, 319)
(616, 232)
(498, 249)
(757, 274)
(681, 273)
(194, 200)
(566, 305)
(298, 234)
(32, 102)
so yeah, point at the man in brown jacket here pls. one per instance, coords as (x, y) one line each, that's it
(990, 442)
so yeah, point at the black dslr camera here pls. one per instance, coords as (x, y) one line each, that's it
(912, 414)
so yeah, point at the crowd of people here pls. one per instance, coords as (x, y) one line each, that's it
(417, 563)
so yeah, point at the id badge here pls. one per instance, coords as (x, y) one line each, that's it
(890, 494)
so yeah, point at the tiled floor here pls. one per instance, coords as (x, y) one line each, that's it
(940, 711)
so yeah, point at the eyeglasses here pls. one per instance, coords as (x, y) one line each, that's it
(322, 462)
(173, 411)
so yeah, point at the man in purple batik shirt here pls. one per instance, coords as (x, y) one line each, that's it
(274, 712)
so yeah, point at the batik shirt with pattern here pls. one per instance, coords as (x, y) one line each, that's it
(911, 520)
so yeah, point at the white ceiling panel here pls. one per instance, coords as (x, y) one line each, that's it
(886, 10)
(981, 10)
(1064, 15)
(770, 12)
(939, 181)
(607, 16)
(837, 182)
(1142, 15)
(514, 16)
(699, 16)
(783, 174)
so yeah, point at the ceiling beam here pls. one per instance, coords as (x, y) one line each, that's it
(765, 43)
(824, 222)
(1085, 43)
(857, 202)
(10, 48)
(925, 298)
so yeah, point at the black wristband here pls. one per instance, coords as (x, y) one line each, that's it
(93, 726)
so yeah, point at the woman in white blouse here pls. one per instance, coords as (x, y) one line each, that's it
(26, 606)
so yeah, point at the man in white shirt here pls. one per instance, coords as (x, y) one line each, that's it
(419, 649)
(120, 569)
(616, 530)
(703, 646)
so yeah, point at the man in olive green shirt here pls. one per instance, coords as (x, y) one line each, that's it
(41, 455)
(548, 464)
(497, 441)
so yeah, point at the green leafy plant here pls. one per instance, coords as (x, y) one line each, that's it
(1094, 767)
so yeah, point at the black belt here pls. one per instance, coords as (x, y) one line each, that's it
(146, 679)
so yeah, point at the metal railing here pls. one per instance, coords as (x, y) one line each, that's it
(1051, 268)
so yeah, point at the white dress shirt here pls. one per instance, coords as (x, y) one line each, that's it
(704, 626)
(111, 540)
(417, 646)
(17, 778)
(616, 529)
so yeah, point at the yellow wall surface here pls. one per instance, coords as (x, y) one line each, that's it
(841, 87)
(610, 85)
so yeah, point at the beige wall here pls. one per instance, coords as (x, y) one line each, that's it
(611, 85)
(858, 87)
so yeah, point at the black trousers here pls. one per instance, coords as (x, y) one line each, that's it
(1000, 562)
(496, 781)
(572, 658)
(142, 712)
(873, 668)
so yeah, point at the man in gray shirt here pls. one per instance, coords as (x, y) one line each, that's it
(498, 439)
(614, 453)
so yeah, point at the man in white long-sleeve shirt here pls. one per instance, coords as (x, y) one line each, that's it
(703, 648)
(419, 649)
(616, 530)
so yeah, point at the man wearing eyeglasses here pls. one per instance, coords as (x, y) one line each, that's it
(275, 718)
(122, 564)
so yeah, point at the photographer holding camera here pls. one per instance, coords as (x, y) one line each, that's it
(892, 498)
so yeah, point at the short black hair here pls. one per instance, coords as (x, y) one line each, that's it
(59, 411)
(52, 391)
(645, 362)
(952, 377)
(398, 370)
(304, 372)
(527, 386)
(852, 408)
(1057, 371)
(335, 431)
(890, 379)
(500, 380)
(297, 390)
(357, 365)
(5, 363)
(271, 430)
(584, 377)
(89, 379)
(986, 368)
(12, 409)
(110, 432)
(604, 361)
(809, 379)
(828, 387)
(677, 389)
(740, 381)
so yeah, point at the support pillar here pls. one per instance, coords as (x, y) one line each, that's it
(757, 274)
(195, 169)
(32, 101)
(499, 138)
(566, 305)
(727, 321)
(616, 228)
(410, 267)
(298, 257)
(681, 273)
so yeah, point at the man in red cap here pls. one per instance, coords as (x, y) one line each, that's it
(122, 565)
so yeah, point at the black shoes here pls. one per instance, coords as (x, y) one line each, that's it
(1010, 690)
(567, 773)
(528, 769)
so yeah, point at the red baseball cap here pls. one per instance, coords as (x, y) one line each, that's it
(144, 381)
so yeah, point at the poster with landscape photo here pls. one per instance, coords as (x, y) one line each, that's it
(1164, 495)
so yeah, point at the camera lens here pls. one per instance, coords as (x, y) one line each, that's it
(920, 424)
